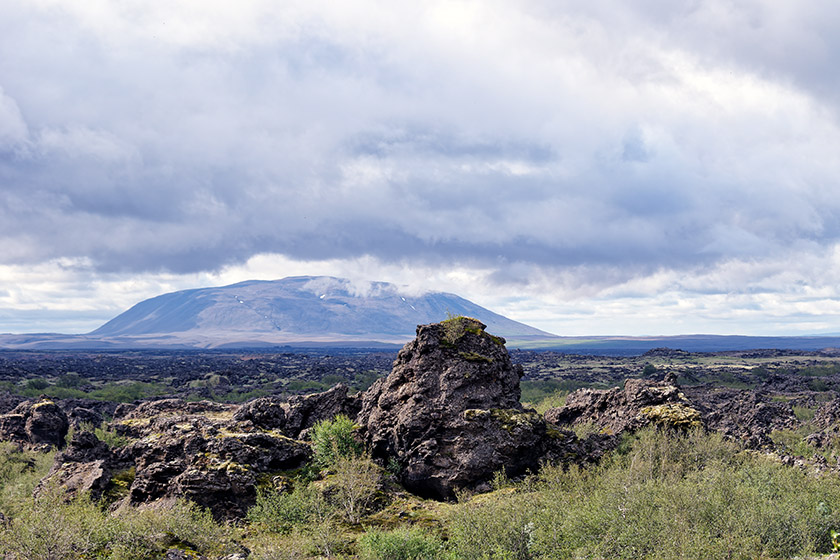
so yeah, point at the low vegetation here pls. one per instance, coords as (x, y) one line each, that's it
(660, 495)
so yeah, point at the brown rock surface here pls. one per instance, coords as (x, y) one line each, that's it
(449, 412)
(180, 449)
(619, 409)
(35, 423)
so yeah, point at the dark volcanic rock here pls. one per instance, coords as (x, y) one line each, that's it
(205, 455)
(827, 420)
(265, 412)
(305, 411)
(87, 465)
(38, 423)
(8, 401)
(198, 451)
(449, 412)
(637, 404)
(747, 415)
(827, 414)
(80, 415)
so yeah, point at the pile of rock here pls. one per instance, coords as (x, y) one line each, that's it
(35, 424)
(449, 414)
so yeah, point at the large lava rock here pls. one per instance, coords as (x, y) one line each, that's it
(297, 417)
(200, 451)
(449, 412)
(86, 466)
(306, 411)
(41, 423)
(749, 416)
(639, 403)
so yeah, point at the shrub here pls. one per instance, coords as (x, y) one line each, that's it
(71, 380)
(277, 512)
(400, 544)
(334, 439)
(103, 433)
(146, 534)
(685, 496)
(127, 392)
(497, 526)
(48, 528)
(37, 384)
(354, 485)
(295, 546)
(20, 472)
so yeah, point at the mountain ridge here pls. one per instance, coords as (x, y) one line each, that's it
(297, 308)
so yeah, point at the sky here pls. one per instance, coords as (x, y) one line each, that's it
(636, 167)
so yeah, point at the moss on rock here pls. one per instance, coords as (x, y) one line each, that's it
(673, 415)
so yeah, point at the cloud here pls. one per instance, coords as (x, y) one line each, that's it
(13, 129)
(563, 148)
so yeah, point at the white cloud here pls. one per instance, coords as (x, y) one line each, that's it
(13, 130)
(647, 164)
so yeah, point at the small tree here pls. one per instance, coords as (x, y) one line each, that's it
(334, 439)
(355, 481)
(649, 370)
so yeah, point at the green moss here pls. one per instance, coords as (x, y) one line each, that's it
(475, 414)
(227, 466)
(555, 434)
(509, 418)
(496, 339)
(804, 413)
(475, 357)
(119, 486)
(674, 415)
(274, 434)
(42, 403)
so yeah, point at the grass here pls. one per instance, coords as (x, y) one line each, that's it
(660, 495)
(668, 496)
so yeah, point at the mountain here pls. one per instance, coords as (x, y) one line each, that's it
(294, 310)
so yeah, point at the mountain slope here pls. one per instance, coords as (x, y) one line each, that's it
(298, 308)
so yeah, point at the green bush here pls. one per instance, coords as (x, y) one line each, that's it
(692, 496)
(127, 392)
(37, 384)
(499, 526)
(71, 380)
(20, 472)
(404, 543)
(281, 512)
(103, 432)
(663, 495)
(334, 439)
(49, 528)
(295, 546)
(353, 486)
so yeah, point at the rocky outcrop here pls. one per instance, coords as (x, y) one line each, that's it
(80, 416)
(198, 451)
(828, 414)
(827, 422)
(449, 412)
(86, 466)
(639, 403)
(297, 416)
(41, 423)
(306, 411)
(748, 416)
(9, 401)
(268, 413)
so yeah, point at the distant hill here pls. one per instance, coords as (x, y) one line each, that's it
(327, 312)
(293, 310)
